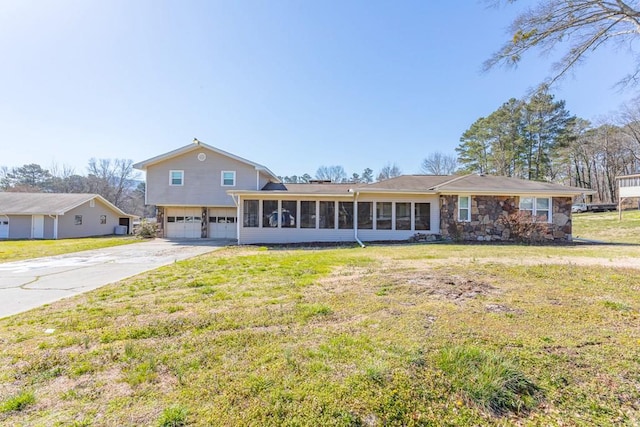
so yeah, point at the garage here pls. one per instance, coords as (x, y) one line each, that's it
(4, 227)
(183, 223)
(222, 223)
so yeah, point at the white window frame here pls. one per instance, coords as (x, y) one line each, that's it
(468, 208)
(534, 208)
(171, 178)
(222, 179)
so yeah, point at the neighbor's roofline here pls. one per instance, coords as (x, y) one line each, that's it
(194, 146)
(73, 206)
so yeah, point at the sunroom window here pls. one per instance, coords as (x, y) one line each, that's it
(250, 213)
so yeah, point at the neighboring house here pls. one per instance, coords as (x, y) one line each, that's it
(59, 216)
(203, 192)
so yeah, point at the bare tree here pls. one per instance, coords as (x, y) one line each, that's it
(581, 25)
(439, 164)
(331, 173)
(389, 171)
(112, 179)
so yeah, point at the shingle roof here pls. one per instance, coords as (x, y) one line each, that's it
(324, 188)
(475, 183)
(409, 183)
(431, 184)
(46, 203)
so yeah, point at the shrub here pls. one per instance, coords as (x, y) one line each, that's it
(489, 380)
(522, 228)
(146, 229)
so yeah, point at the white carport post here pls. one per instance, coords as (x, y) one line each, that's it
(55, 227)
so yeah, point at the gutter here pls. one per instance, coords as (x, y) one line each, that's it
(355, 228)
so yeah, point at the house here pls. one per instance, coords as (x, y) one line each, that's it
(59, 216)
(201, 191)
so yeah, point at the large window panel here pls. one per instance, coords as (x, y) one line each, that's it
(327, 215)
(423, 216)
(538, 208)
(269, 213)
(250, 213)
(345, 215)
(383, 215)
(307, 214)
(289, 211)
(403, 216)
(365, 215)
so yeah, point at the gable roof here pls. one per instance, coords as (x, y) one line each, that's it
(429, 184)
(472, 183)
(504, 185)
(47, 203)
(195, 146)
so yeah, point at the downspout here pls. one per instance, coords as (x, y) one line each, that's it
(237, 203)
(355, 219)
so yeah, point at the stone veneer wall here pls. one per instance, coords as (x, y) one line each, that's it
(488, 214)
(160, 221)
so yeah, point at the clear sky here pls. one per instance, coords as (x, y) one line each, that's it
(291, 84)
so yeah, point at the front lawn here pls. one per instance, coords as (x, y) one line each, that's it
(387, 335)
(15, 250)
(605, 226)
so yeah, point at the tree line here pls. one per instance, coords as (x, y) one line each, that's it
(538, 139)
(113, 179)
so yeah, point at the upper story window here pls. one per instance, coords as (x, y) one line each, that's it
(228, 178)
(464, 208)
(538, 207)
(176, 177)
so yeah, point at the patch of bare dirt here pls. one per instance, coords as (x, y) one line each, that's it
(453, 288)
(499, 308)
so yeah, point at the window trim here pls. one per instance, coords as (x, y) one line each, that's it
(222, 184)
(468, 208)
(181, 178)
(78, 220)
(534, 208)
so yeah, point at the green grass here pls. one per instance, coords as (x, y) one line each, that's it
(607, 227)
(15, 250)
(18, 402)
(387, 335)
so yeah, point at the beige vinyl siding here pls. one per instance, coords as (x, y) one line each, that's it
(202, 180)
(90, 221)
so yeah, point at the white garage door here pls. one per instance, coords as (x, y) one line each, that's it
(222, 223)
(4, 228)
(183, 223)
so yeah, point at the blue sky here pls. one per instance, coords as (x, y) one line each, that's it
(290, 84)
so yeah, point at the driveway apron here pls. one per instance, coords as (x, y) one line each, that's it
(31, 283)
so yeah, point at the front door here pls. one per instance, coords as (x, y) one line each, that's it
(37, 226)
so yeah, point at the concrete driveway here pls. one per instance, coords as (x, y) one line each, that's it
(31, 283)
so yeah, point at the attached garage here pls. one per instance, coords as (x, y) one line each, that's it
(184, 223)
(222, 223)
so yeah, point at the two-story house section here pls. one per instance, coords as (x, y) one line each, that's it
(189, 188)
